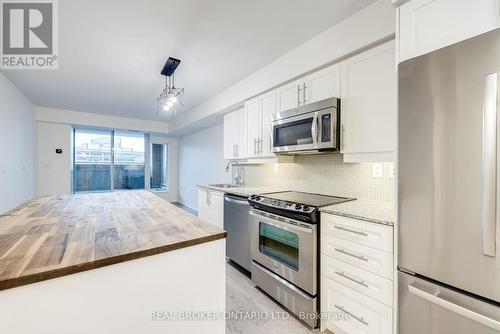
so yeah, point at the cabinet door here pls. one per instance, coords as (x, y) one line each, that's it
(368, 93)
(428, 25)
(231, 136)
(253, 112)
(356, 313)
(203, 205)
(322, 84)
(289, 96)
(268, 109)
(217, 209)
(241, 135)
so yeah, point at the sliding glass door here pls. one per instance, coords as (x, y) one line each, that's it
(92, 160)
(128, 171)
(107, 160)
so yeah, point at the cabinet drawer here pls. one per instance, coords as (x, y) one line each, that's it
(352, 312)
(365, 233)
(372, 285)
(367, 258)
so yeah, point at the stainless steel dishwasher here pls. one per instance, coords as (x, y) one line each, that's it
(237, 226)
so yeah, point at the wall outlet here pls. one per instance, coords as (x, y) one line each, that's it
(276, 168)
(391, 171)
(377, 170)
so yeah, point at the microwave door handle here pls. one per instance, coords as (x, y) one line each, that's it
(489, 165)
(314, 129)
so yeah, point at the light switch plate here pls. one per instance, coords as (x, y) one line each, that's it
(377, 170)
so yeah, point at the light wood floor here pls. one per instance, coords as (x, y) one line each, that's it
(242, 296)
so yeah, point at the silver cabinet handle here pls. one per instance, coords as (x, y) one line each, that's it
(435, 298)
(298, 94)
(260, 146)
(342, 228)
(343, 251)
(360, 319)
(304, 99)
(341, 273)
(342, 137)
(208, 197)
(489, 165)
(237, 150)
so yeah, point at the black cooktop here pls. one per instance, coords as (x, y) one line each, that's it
(294, 204)
(307, 198)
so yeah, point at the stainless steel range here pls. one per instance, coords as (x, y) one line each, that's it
(284, 247)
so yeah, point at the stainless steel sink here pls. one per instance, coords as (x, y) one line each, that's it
(222, 185)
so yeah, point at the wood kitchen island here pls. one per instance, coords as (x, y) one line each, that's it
(108, 263)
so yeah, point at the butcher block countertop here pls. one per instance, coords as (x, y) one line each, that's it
(55, 236)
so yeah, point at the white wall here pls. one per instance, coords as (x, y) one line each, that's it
(201, 161)
(54, 170)
(55, 131)
(17, 142)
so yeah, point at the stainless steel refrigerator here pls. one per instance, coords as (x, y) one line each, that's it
(449, 191)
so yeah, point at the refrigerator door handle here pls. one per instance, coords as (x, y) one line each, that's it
(458, 309)
(489, 165)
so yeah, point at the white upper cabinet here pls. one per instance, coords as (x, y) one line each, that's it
(289, 95)
(368, 105)
(235, 145)
(254, 128)
(314, 87)
(259, 112)
(322, 84)
(268, 109)
(428, 25)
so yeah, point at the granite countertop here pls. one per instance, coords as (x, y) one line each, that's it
(243, 190)
(368, 210)
(54, 236)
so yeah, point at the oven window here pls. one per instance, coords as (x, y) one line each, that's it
(279, 244)
(294, 133)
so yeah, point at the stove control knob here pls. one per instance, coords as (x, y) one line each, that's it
(252, 197)
(305, 208)
(257, 198)
(298, 206)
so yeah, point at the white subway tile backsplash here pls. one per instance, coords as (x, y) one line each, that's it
(325, 174)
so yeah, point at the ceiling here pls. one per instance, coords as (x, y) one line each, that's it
(111, 51)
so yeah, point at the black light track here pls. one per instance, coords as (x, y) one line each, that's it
(170, 66)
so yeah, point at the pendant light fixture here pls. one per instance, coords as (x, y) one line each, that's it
(170, 99)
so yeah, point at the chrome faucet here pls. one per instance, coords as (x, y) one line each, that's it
(237, 177)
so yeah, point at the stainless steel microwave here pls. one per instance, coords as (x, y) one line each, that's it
(309, 129)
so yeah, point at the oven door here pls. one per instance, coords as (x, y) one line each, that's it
(287, 247)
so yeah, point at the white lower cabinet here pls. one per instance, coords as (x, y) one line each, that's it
(364, 282)
(357, 276)
(349, 311)
(211, 207)
(366, 258)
